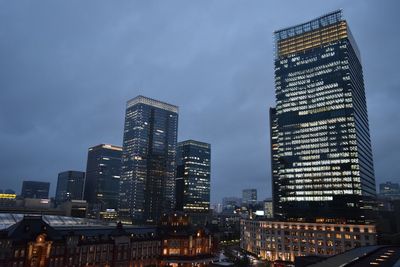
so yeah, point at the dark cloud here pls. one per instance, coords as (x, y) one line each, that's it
(67, 69)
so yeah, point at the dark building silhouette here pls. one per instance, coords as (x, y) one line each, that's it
(389, 190)
(103, 171)
(249, 196)
(35, 189)
(323, 167)
(193, 179)
(70, 185)
(147, 187)
(274, 134)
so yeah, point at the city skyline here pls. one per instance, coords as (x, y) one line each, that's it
(220, 119)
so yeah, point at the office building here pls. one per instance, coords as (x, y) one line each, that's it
(249, 196)
(70, 185)
(35, 189)
(322, 158)
(229, 204)
(103, 171)
(389, 190)
(193, 177)
(147, 187)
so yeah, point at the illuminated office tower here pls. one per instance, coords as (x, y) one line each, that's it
(323, 165)
(147, 187)
(193, 179)
(103, 171)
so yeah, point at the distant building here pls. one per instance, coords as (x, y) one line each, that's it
(103, 172)
(70, 185)
(193, 179)
(12, 205)
(249, 196)
(147, 187)
(7, 200)
(74, 208)
(7, 191)
(35, 189)
(268, 208)
(277, 240)
(389, 190)
(217, 208)
(230, 203)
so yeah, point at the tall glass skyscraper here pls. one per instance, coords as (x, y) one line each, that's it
(70, 186)
(103, 171)
(321, 151)
(193, 177)
(147, 186)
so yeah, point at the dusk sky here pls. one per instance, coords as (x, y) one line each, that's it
(67, 69)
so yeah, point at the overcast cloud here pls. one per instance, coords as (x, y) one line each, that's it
(67, 69)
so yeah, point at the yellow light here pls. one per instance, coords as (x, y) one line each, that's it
(8, 196)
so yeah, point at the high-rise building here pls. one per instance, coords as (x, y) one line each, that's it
(324, 156)
(389, 190)
(229, 204)
(147, 187)
(249, 196)
(103, 171)
(70, 185)
(193, 177)
(35, 189)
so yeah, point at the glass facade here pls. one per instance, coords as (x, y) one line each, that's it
(103, 171)
(321, 149)
(147, 186)
(34, 189)
(193, 176)
(249, 196)
(70, 185)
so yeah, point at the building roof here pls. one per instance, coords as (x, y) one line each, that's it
(194, 143)
(28, 227)
(364, 256)
(322, 21)
(9, 219)
(107, 146)
(151, 102)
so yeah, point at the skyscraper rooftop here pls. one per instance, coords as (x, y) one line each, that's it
(152, 102)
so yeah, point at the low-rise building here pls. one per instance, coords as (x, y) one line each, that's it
(276, 240)
(58, 241)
